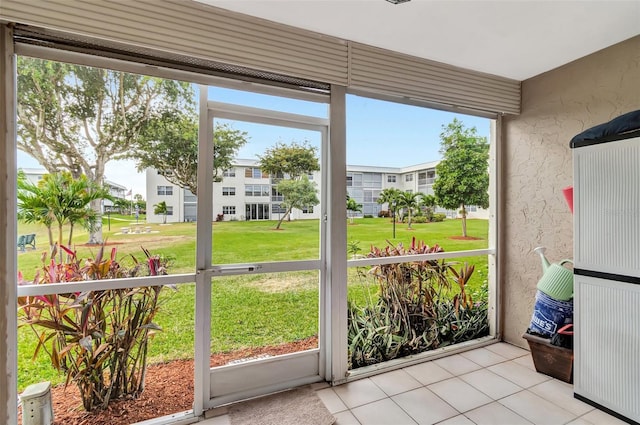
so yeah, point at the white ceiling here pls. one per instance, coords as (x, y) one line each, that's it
(516, 39)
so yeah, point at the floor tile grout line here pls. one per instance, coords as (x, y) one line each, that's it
(437, 396)
(553, 402)
(516, 413)
(549, 401)
(413, 389)
(454, 375)
(488, 395)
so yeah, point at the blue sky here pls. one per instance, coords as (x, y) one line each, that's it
(379, 133)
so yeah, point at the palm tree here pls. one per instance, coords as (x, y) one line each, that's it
(59, 198)
(81, 192)
(161, 208)
(123, 205)
(390, 196)
(32, 207)
(353, 207)
(408, 200)
(428, 202)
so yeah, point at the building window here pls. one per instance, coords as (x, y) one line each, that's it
(228, 191)
(371, 195)
(169, 210)
(257, 190)
(228, 210)
(165, 190)
(357, 194)
(372, 180)
(189, 197)
(422, 178)
(391, 179)
(354, 179)
(231, 172)
(275, 195)
(408, 178)
(255, 173)
(307, 210)
(278, 209)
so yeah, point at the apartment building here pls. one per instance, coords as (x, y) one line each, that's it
(34, 175)
(246, 193)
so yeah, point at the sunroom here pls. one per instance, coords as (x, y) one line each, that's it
(301, 55)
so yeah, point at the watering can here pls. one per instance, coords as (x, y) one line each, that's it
(556, 281)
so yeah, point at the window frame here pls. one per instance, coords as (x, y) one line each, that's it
(337, 114)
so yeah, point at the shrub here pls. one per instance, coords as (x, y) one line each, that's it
(98, 338)
(463, 320)
(384, 213)
(437, 217)
(463, 324)
(414, 311)
(353, 248)
(219, 217)
(368, 216)
(419, 219)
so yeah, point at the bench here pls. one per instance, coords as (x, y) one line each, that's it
(24, 240)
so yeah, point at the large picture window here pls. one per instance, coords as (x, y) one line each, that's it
(241, 258)
(413, 220)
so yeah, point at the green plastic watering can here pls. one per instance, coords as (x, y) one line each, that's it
(556, 280)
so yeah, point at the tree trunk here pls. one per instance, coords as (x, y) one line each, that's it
(50, 234)
(283, 217)
(464, 221)
(60, 240)
(95, 234)
(70, 234)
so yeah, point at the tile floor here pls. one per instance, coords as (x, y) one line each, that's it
(493, 385)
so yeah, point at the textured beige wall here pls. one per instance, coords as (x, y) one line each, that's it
(556, 106)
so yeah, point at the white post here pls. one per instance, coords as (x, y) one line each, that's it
(203, 256)
(336, 312)
(8, 256)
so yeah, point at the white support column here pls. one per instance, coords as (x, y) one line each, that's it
(495, 188)
(336, 312)
(8, 256)
(203, 256)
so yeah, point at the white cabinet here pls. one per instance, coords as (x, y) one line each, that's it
(607, 275)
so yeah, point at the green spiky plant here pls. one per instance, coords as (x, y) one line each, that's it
(98, 338)
(421, 305)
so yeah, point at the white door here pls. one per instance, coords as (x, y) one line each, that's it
(262, 287)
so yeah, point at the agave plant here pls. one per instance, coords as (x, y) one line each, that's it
(98, 338)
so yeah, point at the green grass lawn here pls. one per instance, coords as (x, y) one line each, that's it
(246, 310)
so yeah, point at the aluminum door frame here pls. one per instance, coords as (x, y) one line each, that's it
(280, 372)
